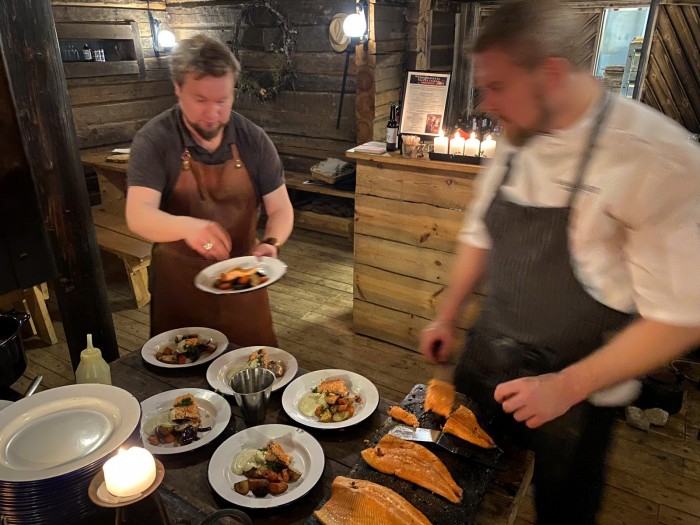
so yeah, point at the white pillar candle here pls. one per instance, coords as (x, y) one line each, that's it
(440, 143)
(457, 145)
(129, 472)
(472, 145)
(488, 147)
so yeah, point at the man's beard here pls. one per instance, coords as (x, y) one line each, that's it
(204, 133)
(518, 136)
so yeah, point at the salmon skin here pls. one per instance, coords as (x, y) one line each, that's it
(413, 463)
(360, 502)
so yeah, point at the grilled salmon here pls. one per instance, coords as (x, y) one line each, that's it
(400, 414)
(360, 502)
(414, 463)
(439, 397)
(333, 386)
(462, 423)
(185, 409)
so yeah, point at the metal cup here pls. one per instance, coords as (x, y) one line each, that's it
(251, 388)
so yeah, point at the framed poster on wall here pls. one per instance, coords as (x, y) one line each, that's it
(424, 103)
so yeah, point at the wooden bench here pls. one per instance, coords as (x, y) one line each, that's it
(114, 236)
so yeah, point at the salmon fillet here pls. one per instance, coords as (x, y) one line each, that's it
(334, 386)
(462, 423)
(400, 414)
(187, 412)
(414, 463)
(360, 502)
(277, 452)
(439, 397)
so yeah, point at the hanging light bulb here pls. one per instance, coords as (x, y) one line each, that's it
(166, 39)
(355, 25)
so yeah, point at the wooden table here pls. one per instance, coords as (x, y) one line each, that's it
(111, 177)
(186, 485)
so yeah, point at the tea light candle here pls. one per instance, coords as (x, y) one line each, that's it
(488, 147)
(457, 145)
(440, 143)
(472, 146)
(129, 472)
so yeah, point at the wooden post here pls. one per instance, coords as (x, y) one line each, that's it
(30, 53)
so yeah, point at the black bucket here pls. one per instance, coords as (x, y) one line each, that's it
(13, 361)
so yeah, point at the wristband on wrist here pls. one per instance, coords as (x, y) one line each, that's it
(274, 242)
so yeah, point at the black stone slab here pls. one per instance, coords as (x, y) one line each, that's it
(471, 476)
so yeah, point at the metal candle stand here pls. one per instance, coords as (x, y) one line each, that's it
(100, 496)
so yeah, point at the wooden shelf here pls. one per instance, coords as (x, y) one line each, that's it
(296, 181)
(319, 222)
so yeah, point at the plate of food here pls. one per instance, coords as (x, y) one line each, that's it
(183, 347)
(330, 399)
(240, 275)
(180, 420)
(222, 369)
(266, 466)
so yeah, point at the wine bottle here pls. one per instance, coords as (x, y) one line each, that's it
(392, 130)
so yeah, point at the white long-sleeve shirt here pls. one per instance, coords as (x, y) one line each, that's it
(634, 232)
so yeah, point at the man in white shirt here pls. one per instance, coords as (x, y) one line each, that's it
(587, 228)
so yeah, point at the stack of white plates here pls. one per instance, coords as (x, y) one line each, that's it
(51, 446)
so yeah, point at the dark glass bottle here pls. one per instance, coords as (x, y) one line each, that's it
(474, 130)
(87, 52)
(392, 130)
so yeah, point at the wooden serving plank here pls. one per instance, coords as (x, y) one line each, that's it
(472, 477)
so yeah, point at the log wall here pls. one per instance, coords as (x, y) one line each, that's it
(109, 109)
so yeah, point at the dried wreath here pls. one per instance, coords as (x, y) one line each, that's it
(284, 74)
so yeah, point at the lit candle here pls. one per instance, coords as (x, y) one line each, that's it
(472, 145)
(488, 147)
(440, 143)
(457, 145)
(129, 472)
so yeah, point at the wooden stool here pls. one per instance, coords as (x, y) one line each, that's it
(33, 301)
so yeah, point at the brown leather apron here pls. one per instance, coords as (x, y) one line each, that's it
(223, 193)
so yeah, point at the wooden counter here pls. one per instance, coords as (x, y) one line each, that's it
(407, 215)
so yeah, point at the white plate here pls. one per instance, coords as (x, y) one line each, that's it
(271, 267)
(214, 412)
(61, 430)
(305, 450)
(219, 372)
(161, 341)
(4, 403)
(356, 383)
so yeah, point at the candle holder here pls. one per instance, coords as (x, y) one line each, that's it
(101, 497)
(459, 159)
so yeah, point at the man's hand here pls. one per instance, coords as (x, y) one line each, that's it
(436, 341)
(264, 250)
(535, 400)
(209, 239)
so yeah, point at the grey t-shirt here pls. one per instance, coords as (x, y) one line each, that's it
(156, 153)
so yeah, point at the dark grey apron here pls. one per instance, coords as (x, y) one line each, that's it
(537, 319)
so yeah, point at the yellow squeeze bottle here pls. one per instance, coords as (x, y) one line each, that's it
(92, 367)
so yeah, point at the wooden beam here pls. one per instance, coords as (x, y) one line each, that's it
(646, 50)
(30, 52)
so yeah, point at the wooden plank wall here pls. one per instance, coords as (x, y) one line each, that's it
(672, 83)
(301, 120)
(108, 110)
(406, 222)
(390, 28)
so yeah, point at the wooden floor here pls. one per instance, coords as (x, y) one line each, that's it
(654, 476)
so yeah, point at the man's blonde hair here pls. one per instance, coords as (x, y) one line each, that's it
(531, 31)
(203, 56)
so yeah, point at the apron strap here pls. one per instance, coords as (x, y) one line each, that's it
(587, 152)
